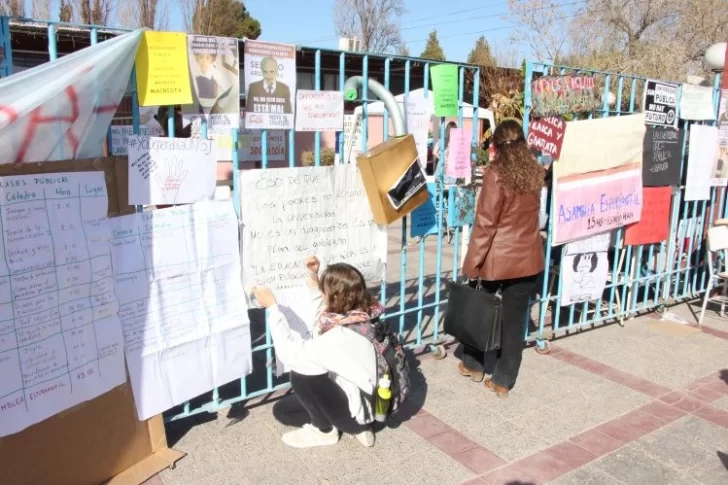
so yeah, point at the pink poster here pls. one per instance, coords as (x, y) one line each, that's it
(595, 202)
(458, 163)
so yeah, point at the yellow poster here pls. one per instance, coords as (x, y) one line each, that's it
(162, 70)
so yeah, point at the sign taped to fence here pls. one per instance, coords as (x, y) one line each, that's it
(418, 117)
(721, 162)
(352, 138)
(660, 104)
(460, 206)
(583, 271)
(181, 302)
(290, 214)
(58, 111)
(445, 89)
(162, 72)
(459, 163)
(215, 73)
(423, 220)
(547, 135)
(250, 145)
(319, 110)
(560, 95)
(696, 102)
(596, 202)
(662, 156)
(270, 74)
(701, 157)
(171, 170)
(60, 337)
(654, 226)
(600, 144)
(120, 136)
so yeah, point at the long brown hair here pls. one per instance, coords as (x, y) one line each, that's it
(514, 161)
(346, 289)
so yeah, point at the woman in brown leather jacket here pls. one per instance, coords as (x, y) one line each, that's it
(506, 250)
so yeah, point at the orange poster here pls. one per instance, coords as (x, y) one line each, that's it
(654, 225)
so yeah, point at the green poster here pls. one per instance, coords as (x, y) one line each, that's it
(445, 88)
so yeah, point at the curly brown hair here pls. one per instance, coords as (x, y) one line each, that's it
(513, 159)
(346, 289)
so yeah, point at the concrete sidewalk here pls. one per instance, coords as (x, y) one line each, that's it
(608, 406)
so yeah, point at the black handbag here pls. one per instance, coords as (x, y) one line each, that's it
(473, 316)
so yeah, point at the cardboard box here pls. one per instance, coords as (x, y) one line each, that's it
(393, 178)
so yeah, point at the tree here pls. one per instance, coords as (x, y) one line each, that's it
(94, 12)
(403, 50)
(373, 22)
(224, 18)
(152, 14)
(481, 55)
(12, 8)
(433, 49)
(543, 25)
(65, 11)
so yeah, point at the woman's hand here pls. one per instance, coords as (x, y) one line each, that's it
(264, 296)
(313, 265)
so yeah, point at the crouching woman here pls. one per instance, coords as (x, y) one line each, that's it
(334, 373)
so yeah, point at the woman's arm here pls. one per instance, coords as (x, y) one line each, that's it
(487, 215)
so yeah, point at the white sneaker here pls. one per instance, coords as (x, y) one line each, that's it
(366, 438)
(310, 436)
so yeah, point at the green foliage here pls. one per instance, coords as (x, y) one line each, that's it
(328, 156)
(433, 49)
(481, 55)
(225, 18)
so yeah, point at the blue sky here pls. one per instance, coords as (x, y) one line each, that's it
(459, 23)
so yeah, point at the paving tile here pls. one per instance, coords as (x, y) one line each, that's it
(698, 431)
(427, 426)
(510, 475)
(395, 444)
(451, 441)
(713, 471)
(682, 401)
(478, 460)
(631, 465)
(430, 466)
(588, 475)
(715, 415)
(596, 442)
(662, 411)
(543, 467)
(571, 454)
(474, 481)
(621, 431)
(672, 450)
(645, 422)
(722, 403)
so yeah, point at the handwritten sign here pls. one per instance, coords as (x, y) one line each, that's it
(423, 220)
(418, 117)
(583, 275)
(696, 103)
(352, 138)
(596, 202)
(560, 95)
(594, 244)
(60, 337)
(654, 226)
(120, 136)
(319, 110)
(662, 156)
(660, 104)
(171, 170)
(181, 302)
(460, 206)
(547, 135)
(701, 156)
(290, 214)
(162, 74)
(445, 89)
(459, 164)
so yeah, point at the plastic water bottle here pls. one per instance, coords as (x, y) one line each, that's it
(384, 399)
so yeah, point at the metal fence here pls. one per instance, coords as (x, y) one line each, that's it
(640, 278)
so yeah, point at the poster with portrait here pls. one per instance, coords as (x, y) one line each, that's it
(584, 269)
(215, 79)
(270, 78)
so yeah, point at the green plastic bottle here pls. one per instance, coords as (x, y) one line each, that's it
(384, 399)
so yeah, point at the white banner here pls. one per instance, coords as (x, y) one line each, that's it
(62, 109)
(696, 103)
(181, 303)
(418, 116)
(292, 213)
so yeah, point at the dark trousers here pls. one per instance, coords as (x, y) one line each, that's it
(325, 402)
(516, 295)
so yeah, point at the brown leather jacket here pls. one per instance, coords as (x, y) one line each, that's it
(505, 242)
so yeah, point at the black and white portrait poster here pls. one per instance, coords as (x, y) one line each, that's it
(661, 156)
(270, 78)
(584, 269)
(660, 104)
(215, 79)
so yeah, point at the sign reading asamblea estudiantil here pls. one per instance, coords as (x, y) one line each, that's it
(661, 155)
(560, 95)
(660, 104)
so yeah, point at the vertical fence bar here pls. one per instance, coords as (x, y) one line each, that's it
(317, 87)
(440, 181)
(343, 157)
(421, 244)
(6, 65)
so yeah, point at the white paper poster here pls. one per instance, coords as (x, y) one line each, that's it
(297, 306)
(270, 75)
(418, 117)
(215, 79)
(701, 157)
(181, 303)
(696, 103)
(120, 136)
(319, 110)
(290, 214)
(171, 170)
(60, 338)
(250, 145)
(584, 269)
(352, 138)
